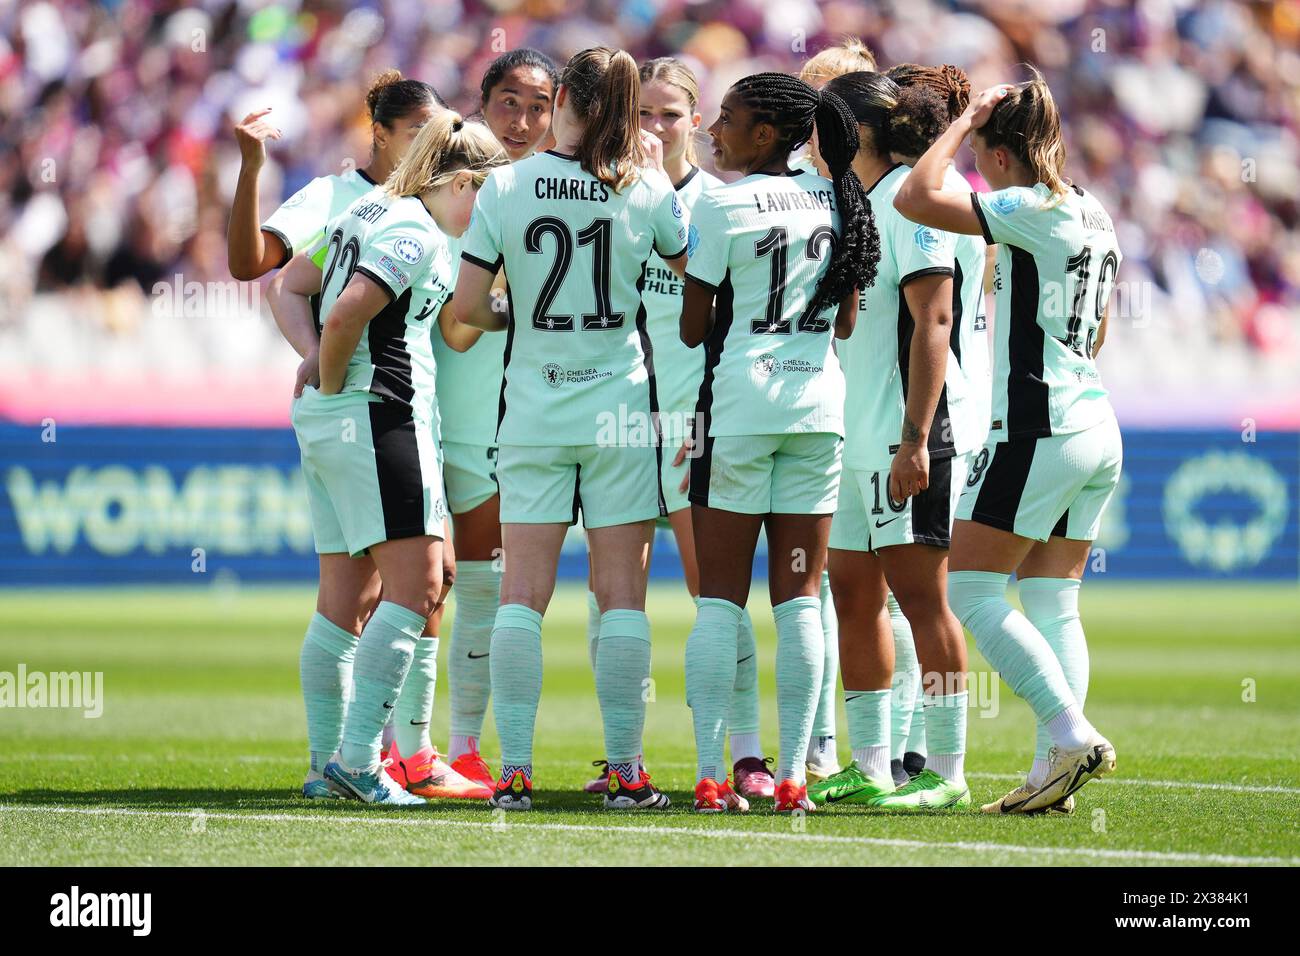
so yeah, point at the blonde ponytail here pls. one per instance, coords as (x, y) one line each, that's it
(444, 146)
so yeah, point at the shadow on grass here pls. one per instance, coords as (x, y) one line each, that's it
(278, 799)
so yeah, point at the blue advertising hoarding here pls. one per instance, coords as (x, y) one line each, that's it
(115, 505)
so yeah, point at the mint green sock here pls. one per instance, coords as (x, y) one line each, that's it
(383, 657)
(516, 680)
(800, 657)
(1052, 606)
(711, 680)
(905, 693)
(824, 719)
(916, 736)
(1009, 642)
(743, 717)
(945, 727)
(477, 595)
(868, 715)
(325, 668)
(414, 707)
(593, 628)
(622, 676)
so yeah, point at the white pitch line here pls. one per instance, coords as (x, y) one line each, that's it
(719, 834)
(271, 759)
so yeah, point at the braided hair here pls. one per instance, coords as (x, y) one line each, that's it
(948, 82)
(794, 108)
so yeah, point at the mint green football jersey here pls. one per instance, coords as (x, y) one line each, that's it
(677, 369)
(300, 221)
(1056, 266)
(469, 383)
(395, 243)
(575, 254)
(877, 356)
(770, 366)
(971, 342)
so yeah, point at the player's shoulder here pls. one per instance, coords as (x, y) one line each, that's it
(1022, 200)
(702, 181)
(1090, 208)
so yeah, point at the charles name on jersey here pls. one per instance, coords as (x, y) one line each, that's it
(551, 187)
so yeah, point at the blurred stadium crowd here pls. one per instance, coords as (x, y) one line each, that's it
(117, 159)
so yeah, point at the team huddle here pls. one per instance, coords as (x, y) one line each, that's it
(555, 314)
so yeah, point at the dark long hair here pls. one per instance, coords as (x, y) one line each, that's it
(524, 56)
(391, 97)
(794, 108)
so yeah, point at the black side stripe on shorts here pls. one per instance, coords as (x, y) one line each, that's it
(1004, 484)
(397, 468)
(1062, 524)
(577, 492)
(932, 508)
(648, 350)
(722, 317)
(1027, 391)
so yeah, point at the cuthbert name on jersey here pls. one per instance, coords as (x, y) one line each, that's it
(554, 188)
(370, 211)
(785, 201)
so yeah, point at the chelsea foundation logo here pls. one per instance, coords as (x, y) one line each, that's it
(553, 374)
(766, 365)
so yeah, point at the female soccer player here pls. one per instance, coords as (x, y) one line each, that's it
(780, 258)
(517, 93)
(1035, 500)
(922, 127)
(349, 586)
(849, 56)
(670, 98)
(516, 96)
(908, 432)
(574, 227)
(368, 433)
(398, 109)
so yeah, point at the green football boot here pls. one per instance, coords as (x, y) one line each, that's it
(925, 792)
(849, 785)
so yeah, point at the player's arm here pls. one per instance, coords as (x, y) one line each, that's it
(678, 265)
(352, 311)
(929, 298)
(697, 312)
(922, 197)
(846, 317)
(1100, 337)
(472, 302)
(458, 336)
(481, 258)
(251, 252)
(289, 296)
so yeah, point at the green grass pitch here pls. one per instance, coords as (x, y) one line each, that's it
(200, 749)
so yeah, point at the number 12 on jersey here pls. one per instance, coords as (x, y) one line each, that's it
(775, 243)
